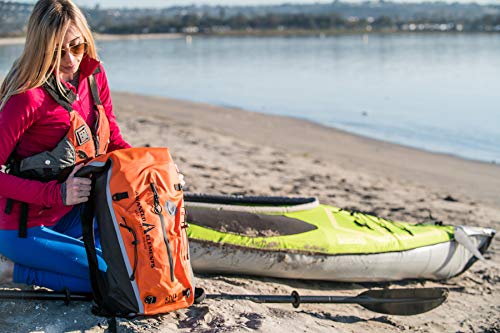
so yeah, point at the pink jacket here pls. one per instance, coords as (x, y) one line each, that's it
(33, 122)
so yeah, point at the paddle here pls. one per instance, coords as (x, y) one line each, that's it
(43, 295)
(404, 302)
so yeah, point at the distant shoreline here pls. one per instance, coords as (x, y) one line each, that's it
(102, 37)
(252, 33)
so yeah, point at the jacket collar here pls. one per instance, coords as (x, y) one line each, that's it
(88, 66)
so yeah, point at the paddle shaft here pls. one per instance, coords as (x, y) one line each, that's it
(313, 299)
(43, 295)
(403, 302)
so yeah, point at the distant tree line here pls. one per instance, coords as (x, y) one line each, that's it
(271, 22)
(335, 17)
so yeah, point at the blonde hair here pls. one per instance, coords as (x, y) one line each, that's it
(41, 56)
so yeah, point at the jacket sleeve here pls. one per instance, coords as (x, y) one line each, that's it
(18, 114)
(116, 140)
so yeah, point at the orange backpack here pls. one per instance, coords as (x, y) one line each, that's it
(138, 203)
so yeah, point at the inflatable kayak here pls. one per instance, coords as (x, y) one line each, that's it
(299, 238)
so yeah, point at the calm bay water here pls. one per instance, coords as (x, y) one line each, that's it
(435, 92)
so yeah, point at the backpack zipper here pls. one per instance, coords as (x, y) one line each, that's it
(157, 209)
(135, 242)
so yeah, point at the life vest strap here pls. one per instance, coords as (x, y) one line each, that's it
(13, 169)
(23, 216)
(23, 221)
(94, 90)
(8, 206)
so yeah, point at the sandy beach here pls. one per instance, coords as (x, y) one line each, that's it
(231, 151)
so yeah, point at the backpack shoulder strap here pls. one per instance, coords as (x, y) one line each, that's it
(88, 232)
(87, 218)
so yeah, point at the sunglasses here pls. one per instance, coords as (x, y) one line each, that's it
(75, 50)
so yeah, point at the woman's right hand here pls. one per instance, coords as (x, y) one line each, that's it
(75, 190)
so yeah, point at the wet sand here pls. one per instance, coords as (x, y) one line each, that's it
(230, 151)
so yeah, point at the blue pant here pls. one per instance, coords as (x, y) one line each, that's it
(52, 257)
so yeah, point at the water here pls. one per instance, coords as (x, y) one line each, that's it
(433, 92)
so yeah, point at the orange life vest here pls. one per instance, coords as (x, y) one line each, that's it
(80, 144)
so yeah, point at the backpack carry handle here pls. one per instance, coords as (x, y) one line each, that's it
(92, 167)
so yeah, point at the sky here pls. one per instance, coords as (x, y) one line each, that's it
(168, 3)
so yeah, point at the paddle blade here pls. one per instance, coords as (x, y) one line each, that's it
(403, 302)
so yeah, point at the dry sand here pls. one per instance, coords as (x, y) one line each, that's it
(231, 151)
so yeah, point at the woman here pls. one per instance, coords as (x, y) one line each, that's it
(55, 110)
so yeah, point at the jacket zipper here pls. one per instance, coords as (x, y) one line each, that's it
(157, 209)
